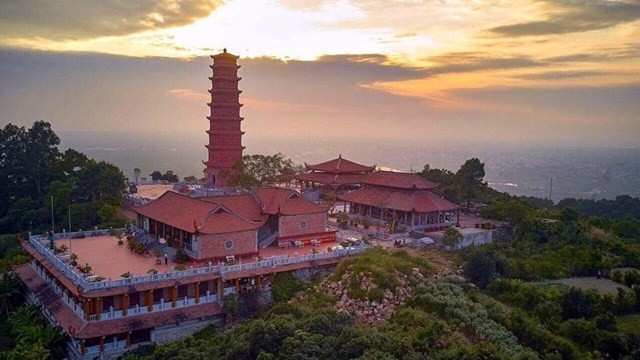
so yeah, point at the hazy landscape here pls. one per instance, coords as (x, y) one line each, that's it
(591, 173)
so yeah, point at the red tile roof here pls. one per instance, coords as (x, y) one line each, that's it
(224, 214)
(274, 200)
(49, 299)
(187, 213)
(330, 179)
(419, 201)
(340, 165)
(399, 180)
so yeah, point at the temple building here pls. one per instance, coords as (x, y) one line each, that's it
(338, 174)
(403, 197)
(221, 227)
(225, 137)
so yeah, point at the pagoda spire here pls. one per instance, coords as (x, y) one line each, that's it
(225, 134)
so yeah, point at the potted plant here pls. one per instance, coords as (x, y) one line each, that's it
(74, 259)
(180, 268)
(126, 275)
(98, 279)
(366, 222)
(85, 269)
(152, 271)
(119, 236)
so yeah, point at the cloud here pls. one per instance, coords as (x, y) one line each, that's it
(557, 75)
(601, 54)
(80, 19)
(570, 16)
(458, 62)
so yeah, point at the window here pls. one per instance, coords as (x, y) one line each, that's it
(228, 244)
(303, 225)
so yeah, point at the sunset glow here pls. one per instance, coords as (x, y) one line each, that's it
(448, 55)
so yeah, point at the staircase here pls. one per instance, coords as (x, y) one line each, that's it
(265, 242)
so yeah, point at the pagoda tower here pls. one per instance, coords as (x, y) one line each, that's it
(225, 137)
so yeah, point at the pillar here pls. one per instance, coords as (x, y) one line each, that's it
(197, 292)
(102, 344)
(97, 307)
(124, 303)
(128, 338)
(86, 304)
(173, 294)
(82, 348)
(259, 282)
(150, 300)
(220, 287)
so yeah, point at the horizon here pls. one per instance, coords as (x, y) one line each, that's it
(541, 73)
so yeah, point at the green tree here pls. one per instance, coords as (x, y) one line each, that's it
(469, 180)
(156, 175)
(452, 238)
(170, 176)
(10, 287)
(136, 174)
(480, 266)
(259, 170)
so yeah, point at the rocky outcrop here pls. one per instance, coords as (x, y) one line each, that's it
(365, 310)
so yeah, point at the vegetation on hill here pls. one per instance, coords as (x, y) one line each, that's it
(33, 172)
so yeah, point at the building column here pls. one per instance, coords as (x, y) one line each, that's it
(149, 300)
(413, 218)
(124, 303)
(102, 344)
(97, 307)
(86, 304)
(128, 338)
(173, 294)
(197, 292)
(82, 348)
(238, 286)
(259, 282)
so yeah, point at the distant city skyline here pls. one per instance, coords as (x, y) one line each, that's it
(448, 72)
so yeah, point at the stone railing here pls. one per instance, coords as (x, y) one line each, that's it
(37, 242)
(160, 306)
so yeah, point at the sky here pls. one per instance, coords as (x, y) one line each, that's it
(534, 72)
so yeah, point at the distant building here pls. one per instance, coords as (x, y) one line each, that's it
(225, 137)
(404, 197)
(338, 174)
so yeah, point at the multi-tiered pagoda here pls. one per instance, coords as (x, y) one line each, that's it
(225, 137)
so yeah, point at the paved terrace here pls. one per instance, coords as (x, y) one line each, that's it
(110, 260)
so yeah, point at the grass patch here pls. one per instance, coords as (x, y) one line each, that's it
(629, 324)
(602, 286)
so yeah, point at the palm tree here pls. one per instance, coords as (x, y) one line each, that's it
(24, 316)
(10, 287)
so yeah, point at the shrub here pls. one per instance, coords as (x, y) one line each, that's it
(284, 286)
(181, 257)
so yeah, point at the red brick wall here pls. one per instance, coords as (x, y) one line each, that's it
(212, 246)
(290, 225)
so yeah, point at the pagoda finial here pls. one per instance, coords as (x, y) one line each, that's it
(224, 50)
(340, 156)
